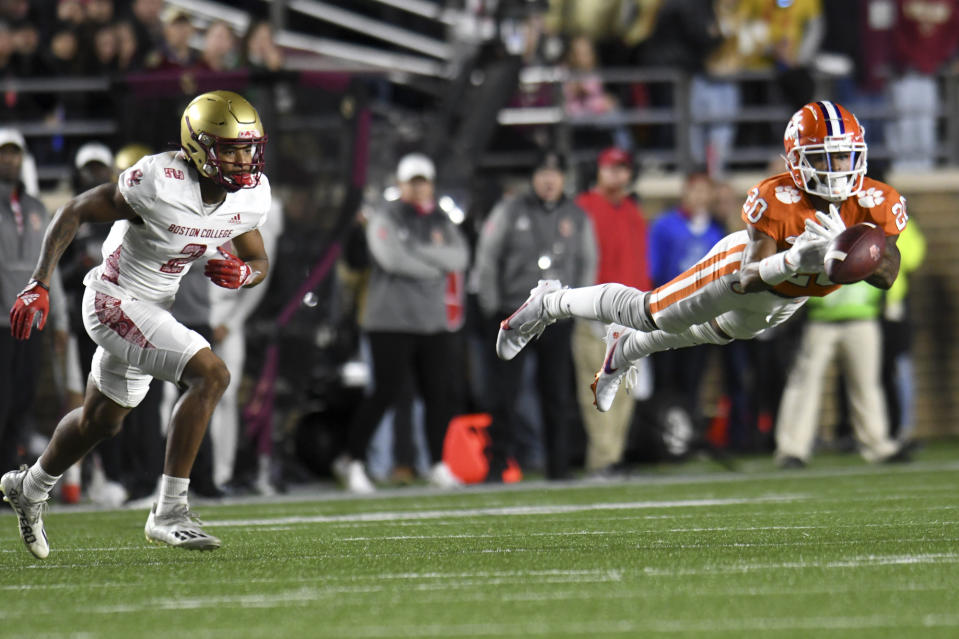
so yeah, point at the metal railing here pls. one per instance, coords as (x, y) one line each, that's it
(678, 116)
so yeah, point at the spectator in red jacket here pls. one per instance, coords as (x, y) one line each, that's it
(621, 239)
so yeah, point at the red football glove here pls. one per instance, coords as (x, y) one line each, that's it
(35, 298)
(231, 272)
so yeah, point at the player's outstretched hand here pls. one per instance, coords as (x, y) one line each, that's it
(230, 272)
(808, 253)
(829, 226)
(34, 299)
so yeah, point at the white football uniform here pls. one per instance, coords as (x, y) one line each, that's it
(125, 306)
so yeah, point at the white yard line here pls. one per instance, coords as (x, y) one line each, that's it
(506, 511)
(648, 531)
(641, 627)
(325, 492)
(866, 561)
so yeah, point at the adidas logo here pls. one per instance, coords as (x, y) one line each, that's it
(29, 298)
(236, 219)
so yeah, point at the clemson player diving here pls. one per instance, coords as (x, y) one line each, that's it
(168, 211)
(750, 280)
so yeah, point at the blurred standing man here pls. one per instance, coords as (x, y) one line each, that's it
(22, 220)
(679, 237)
(539, 235)
(844, 325)
(168, 210)
(621, 238)
(228, 317)
(414, 246)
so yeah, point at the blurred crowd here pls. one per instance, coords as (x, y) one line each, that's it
(51, 38)
(586, 223)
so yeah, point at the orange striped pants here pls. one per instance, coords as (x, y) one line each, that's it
(710, 290)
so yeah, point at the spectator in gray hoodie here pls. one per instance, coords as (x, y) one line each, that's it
(415, 247)
(23, 219)
(541, 234)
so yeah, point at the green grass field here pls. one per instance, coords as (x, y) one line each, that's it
(841, 549)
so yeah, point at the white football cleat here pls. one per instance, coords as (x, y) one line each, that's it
(526, 322)
(607, 380)
(29, 513)
(179, 528)
(442, 477)
(352, 475)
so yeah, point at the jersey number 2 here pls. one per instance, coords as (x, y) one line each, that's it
(191, 252)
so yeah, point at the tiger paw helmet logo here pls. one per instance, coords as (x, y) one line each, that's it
(788, 194)
(795, 127)
(871, 197)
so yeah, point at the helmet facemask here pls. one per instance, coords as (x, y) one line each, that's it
(828, 182)
(249, 175)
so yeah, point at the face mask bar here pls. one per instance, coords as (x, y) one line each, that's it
(249, 175)
(830, 183)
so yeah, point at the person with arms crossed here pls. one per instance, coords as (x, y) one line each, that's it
(167, 210)
(750, 280)
(621, 241)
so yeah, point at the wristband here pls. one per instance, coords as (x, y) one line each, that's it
(775, 269)
(40, 284)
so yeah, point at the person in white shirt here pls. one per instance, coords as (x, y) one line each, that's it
(168, 210)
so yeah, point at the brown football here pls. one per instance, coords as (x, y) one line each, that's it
(854, 254)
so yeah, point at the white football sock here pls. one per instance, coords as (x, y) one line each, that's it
(173, 493)
(607, 303)
(637, 345)
(38, 483)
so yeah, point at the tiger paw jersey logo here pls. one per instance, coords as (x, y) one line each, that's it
(788, 194)
(871, 197)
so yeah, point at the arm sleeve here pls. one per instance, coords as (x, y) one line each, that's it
(658, 252)
(590, 253)
(138, 186)
(451, 256)
(488, 252)
(389, 246)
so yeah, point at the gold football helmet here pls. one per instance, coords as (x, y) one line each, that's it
(128, 156)
(217, 119)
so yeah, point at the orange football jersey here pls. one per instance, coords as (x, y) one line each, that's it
(777, 208)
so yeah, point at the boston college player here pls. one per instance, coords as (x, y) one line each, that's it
(168, 211)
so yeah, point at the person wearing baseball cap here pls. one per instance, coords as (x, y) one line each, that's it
(536, 236)
(415, 248)
(23, 220)
(415, 165)
(622, 241)
(93, 165)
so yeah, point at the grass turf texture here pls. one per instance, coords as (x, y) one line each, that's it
(839, 550)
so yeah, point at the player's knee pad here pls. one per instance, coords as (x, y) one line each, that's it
(623, 305)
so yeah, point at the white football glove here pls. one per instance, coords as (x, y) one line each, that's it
(829, 226)
(808, 253)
